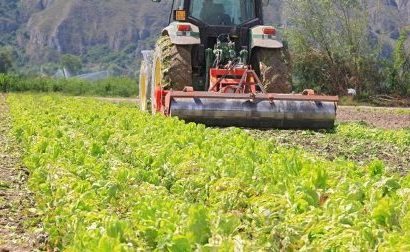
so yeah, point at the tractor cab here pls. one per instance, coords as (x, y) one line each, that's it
(216, 17)
(222, 12)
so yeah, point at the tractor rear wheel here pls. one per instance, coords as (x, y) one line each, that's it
(273, 68)
(172, 65)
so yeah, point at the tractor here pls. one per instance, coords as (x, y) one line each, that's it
(217, 63)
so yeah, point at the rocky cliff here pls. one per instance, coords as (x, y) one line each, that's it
(76, 25)
(387, 17)
(44, 29)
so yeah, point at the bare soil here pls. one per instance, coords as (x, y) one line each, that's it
(380, 117)
(17, 212)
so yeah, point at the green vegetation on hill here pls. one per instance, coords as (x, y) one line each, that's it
(6, 60)
(8, 22)
(41, 31)
(399, 72)
(107, 34)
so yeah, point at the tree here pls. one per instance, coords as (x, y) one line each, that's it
(6, 60)
(72, 63)
(329, 41)
(399, 76)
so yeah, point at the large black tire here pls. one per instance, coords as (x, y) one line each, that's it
(274, 69)
(172, 65)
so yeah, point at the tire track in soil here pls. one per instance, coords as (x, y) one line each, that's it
(380, 117)
(17, 212)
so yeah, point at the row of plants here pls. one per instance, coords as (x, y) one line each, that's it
(400, 137)
(350, 141)
(111, 178)
(114, 86)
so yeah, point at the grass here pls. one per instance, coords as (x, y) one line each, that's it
(403, 111)
(111, 87)
(351, 101)
(4, 185)
(359, 131)
(383, 110)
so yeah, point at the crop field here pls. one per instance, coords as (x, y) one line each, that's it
(350, 141)
(107, 177)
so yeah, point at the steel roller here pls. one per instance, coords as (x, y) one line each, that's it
(258, 113)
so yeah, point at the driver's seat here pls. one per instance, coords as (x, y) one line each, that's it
(215, 15)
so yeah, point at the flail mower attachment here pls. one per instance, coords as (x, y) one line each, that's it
(237, 98)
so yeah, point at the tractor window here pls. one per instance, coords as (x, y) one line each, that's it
(178, 5)
(223, 12)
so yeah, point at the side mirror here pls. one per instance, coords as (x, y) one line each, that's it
(264, 2)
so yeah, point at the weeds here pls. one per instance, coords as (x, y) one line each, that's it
(114, 87)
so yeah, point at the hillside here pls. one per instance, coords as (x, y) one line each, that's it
(77, 25)
(387, 17)
(103, 32)
(8, 21)
(110, 33)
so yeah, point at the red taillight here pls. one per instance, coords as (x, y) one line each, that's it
(269, 31)
(184, 28)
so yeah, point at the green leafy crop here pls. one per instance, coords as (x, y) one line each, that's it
(111, 178)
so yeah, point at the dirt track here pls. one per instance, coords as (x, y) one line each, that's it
(16, 202)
